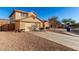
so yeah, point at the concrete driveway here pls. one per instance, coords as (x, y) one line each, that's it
(66, 40)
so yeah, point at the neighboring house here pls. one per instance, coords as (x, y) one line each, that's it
(53, 23)
(25, 21)
(4, 23)
(46, 24)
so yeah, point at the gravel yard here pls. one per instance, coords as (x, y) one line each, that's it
(15, 41)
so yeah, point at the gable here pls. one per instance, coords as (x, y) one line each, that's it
(31, 14)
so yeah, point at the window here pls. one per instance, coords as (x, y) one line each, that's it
(23, 15)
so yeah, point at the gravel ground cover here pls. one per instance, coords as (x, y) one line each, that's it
(20, 41)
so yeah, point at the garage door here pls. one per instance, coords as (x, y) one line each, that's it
(29, 26)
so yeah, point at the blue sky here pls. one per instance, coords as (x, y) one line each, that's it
(45, 12)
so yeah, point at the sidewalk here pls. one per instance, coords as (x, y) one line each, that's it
(66, 40)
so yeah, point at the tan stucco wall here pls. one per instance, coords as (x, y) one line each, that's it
(46, 24)
(22, 25)
(41, 24)
(17, 25)
(30, 14)
(18, 15)
(30, 19)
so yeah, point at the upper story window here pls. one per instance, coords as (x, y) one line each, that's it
(23, 15)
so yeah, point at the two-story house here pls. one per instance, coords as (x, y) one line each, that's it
(25, 21)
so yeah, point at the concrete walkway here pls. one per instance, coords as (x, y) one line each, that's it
(66, 40)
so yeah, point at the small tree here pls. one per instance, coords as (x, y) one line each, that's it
(65, 21)
(73, 22)
(68, 21)
(54, 22)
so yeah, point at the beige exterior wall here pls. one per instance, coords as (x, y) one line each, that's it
(31, 14)
(17, 25)
(30, 19)
(41, 24)
(18, 15)
(46, 24)
(22, 25)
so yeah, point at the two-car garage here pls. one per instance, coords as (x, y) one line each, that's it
(32, 26)
(27, 26)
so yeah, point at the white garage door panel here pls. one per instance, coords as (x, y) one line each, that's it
(28, 26)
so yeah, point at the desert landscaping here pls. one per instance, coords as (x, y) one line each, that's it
(24, 41)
